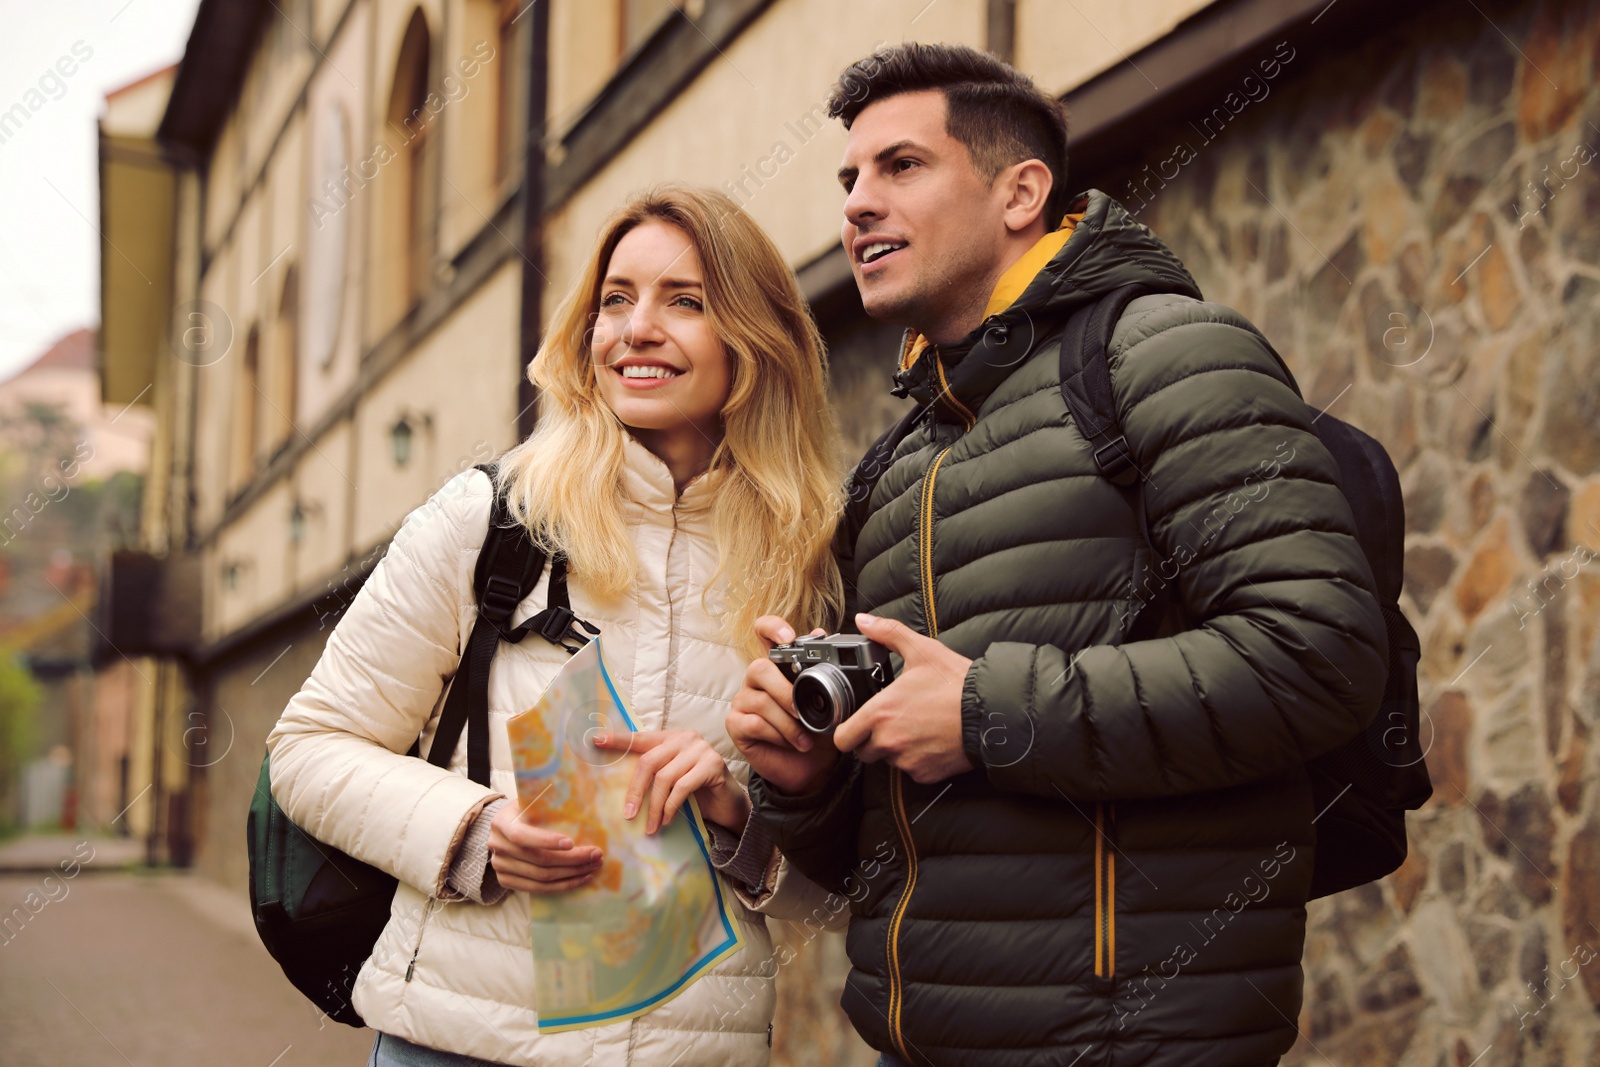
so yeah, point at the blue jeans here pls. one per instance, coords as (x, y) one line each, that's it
(886, 1059)
(391, 1051)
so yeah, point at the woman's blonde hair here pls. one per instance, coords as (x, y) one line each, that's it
(776, 476)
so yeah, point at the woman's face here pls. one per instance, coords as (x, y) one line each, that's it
(659, 367)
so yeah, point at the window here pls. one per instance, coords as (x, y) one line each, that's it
(417, 220)
(282, 368)
(246, 406)
(410, 200)
(326, 239)
(511, 104)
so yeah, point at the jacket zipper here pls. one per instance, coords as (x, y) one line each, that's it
(948, 396)
(672, 624)
(897, 798)
(925, 545)
(897, 801)
(426, 911)
(1105, 892)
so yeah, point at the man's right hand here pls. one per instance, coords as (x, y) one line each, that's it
(763, 726)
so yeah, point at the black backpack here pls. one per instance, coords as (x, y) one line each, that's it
(1362, 789)
(320, 911)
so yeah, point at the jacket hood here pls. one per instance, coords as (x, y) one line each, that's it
(1108, 249)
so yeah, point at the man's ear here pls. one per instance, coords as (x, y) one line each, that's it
(1027, 187)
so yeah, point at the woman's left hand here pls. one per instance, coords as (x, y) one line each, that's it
(672, 765)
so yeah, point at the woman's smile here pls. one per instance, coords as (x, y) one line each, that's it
(646, 374)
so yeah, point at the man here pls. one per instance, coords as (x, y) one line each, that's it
(1062, 843)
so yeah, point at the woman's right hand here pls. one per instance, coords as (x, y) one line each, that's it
(765, 729)
(533, 860)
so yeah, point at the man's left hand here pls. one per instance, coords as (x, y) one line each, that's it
(915, 721)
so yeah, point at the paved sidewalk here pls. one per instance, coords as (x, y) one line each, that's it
(146, 969)
(43, 853)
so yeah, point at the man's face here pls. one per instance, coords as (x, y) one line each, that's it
(922, 228)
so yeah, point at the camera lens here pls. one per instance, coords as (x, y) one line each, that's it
(823, 698)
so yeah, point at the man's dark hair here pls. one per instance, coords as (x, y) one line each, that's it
(994, 109)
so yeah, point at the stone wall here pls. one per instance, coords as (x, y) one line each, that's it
(1415, 225)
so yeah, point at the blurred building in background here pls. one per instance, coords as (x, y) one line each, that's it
(70, 467)
(148, 597)
(332, 238)
(109, 438)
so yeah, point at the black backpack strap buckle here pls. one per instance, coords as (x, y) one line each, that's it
(501, 595)
(574, 638)
(1115, 460)
(558, 620)
(558, 625)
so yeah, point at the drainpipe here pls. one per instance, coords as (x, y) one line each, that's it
(1001, 29)
(533, 194)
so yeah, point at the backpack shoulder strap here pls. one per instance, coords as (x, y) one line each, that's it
(862, 480)
(1086, 388)
(1086, 382)
(858, 492)
(508, 568)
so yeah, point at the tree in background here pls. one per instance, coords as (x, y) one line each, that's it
(19, 697)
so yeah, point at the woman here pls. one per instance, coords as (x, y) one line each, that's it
(685, 461)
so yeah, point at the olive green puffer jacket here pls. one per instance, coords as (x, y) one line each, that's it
(1123, 879)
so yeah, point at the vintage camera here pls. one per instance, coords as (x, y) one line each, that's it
(832, 676)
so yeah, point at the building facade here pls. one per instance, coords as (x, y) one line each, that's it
(375, 205)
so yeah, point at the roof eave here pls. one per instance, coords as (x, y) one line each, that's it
(210, 74)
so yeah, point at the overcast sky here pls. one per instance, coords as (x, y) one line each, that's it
(49, 248)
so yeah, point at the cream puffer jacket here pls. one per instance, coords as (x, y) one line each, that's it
(456, 975)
